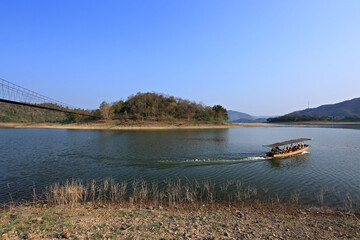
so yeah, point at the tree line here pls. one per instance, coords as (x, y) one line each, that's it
(307, 118)
(154, 106)
(16, 113)
(142, 106)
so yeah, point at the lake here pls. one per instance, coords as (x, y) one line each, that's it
(45, 156)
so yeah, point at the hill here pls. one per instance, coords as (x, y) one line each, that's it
(139, 107)
(157, 107)
(342, 109)
(17, 113)
(346, 111)
(236, 116)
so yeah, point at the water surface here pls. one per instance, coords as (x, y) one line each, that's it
(45, 156)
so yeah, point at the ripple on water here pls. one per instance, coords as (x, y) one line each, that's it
(49, 156)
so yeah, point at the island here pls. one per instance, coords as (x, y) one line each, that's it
(140, 111)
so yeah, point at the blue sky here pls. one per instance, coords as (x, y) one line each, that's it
(258, 57)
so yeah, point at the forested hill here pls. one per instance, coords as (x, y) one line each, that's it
(342, 109)
(154, 106)
(142, 106)
(16, 113)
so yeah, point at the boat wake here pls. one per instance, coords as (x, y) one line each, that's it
(255, 158)
(212, 161)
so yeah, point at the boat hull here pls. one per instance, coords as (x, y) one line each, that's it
(283, 155)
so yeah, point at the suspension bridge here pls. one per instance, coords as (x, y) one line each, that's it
(15, 94)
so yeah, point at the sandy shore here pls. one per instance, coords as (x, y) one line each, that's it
(116, 125)
(214, 221)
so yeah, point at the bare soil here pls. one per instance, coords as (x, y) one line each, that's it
(191, 221)
(132, 125)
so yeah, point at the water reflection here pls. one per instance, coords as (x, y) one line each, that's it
(295, 161)
(156, 149)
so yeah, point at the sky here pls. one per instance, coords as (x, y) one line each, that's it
(259, 57)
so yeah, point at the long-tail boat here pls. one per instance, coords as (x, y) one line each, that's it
(287, 148)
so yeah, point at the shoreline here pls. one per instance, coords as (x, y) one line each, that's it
(314, 122)
(115, 125)
(187, 221)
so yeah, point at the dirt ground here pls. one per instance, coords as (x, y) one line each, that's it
(132, 125)
(215, 221)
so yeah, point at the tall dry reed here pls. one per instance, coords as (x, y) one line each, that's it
(172, 193)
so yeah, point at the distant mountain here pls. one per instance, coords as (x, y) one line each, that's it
(342, 109)
(261, 120)
(235, 116)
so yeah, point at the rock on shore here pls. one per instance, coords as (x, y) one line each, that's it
(256, 221)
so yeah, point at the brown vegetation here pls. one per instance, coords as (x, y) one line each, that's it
(171, 193)
(176, 209)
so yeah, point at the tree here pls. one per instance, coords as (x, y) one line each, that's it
(189, 113)
(220, 112)
(105, 110)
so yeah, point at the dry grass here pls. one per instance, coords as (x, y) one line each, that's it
(139, 192)
(174, 193)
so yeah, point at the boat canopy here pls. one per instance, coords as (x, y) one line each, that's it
(287, 142)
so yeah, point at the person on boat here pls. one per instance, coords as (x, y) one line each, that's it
(290, 147)
(277, 150)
